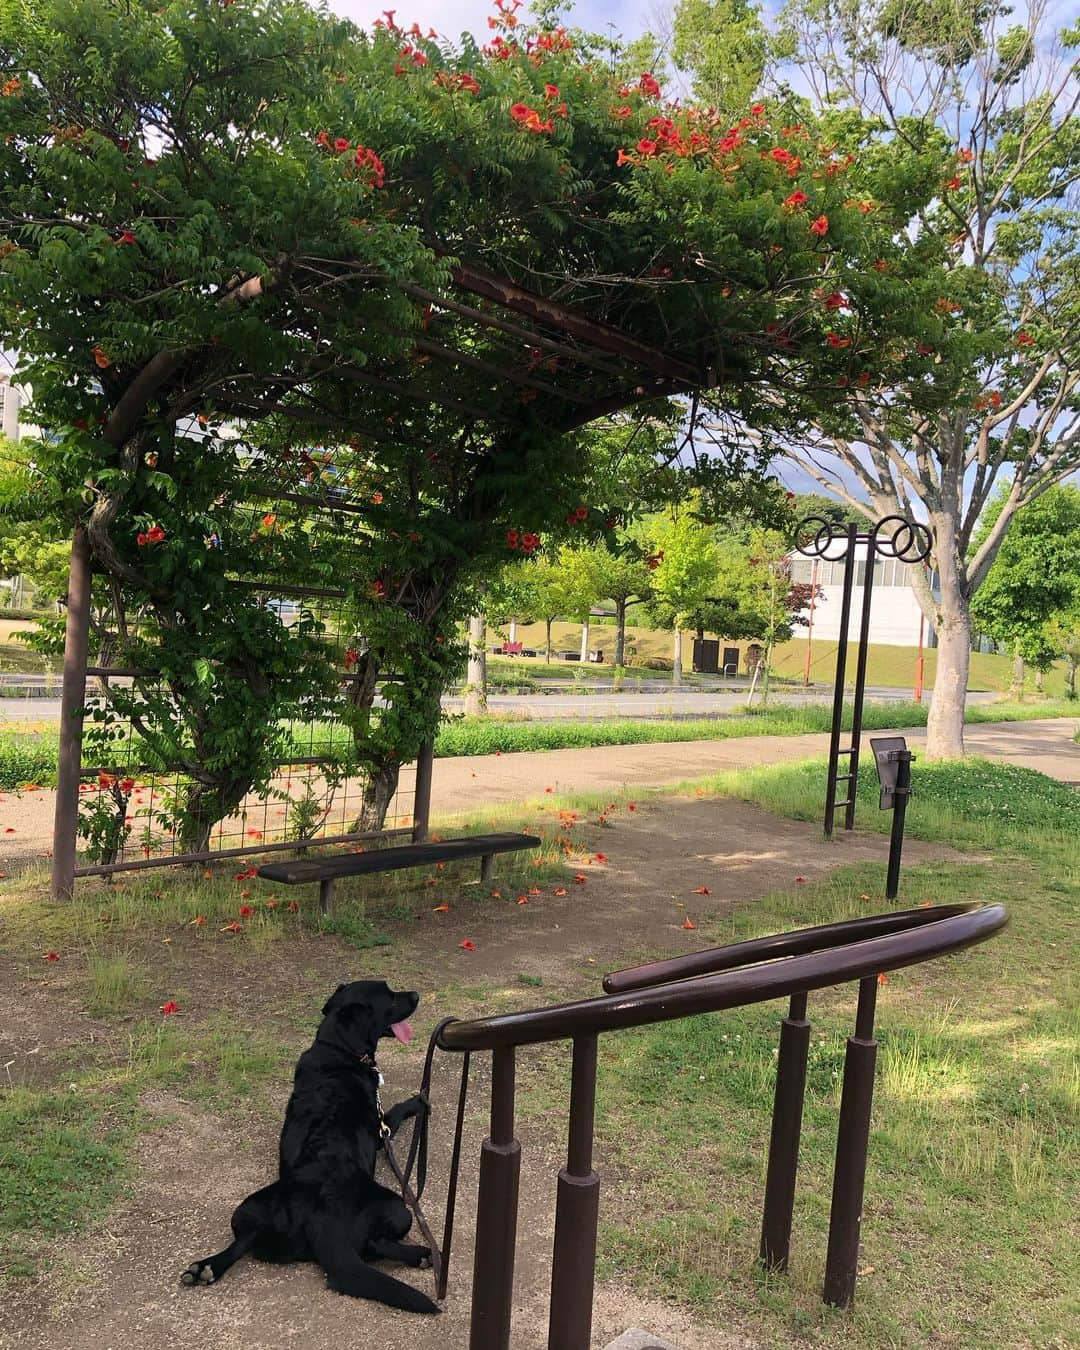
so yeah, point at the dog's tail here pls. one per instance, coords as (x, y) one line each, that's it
(346, 1273)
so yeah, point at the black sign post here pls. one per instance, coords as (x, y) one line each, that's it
(893, 760)
(892, 537)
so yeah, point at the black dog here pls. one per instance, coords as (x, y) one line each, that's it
(326, 1205)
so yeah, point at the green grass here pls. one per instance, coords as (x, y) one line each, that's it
(486, 735)
(60, 1162)
(885, 665)
(66, 1154)
(27, 757)
(974, 1161)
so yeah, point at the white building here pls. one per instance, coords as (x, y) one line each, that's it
(894, 610)
(10, 398)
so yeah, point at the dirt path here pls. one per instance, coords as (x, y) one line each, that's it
(115, 1288)
(472, 782)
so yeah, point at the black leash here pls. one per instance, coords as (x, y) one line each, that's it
(418, 1159)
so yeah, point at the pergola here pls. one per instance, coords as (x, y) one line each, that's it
(488, 357)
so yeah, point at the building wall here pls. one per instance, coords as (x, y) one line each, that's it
(894, 610)
(9, 409)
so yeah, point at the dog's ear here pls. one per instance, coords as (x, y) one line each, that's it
(329, 1001)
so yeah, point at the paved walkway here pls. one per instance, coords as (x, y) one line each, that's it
(473, 782)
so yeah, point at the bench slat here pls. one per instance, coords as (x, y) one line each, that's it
(303, 870)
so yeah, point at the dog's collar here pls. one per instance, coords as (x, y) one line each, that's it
(369, 1060)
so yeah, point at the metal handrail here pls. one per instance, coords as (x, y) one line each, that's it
(820, 938)
(724, 977)
(926, 933)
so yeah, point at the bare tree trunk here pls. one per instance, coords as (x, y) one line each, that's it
(1040, 676)
(1071, 662)
(945, 725)
(380, 784)
(547, 624)
(676, 665)
(513, 631)
(585, 640)
(476, 682)
(1016, 688)
(949, 613)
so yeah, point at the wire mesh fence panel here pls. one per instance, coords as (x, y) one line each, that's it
(151, 794)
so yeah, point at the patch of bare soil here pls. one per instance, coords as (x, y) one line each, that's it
(116, 1286)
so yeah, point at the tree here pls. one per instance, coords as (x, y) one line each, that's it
(805, 504)
(988, 287)
(685, 575)
(1063, 635)
(1034, 581)
(755, 588)
(724, 46)
(240, 251)
(620, 571)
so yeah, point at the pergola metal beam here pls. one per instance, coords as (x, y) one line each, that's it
(591, 331)
(487, 319)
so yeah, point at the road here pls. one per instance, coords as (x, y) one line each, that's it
(653, 703)
(476, 781)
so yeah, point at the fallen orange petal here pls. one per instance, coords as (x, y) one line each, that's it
(688, 922)
(701, 890)
(441, 909)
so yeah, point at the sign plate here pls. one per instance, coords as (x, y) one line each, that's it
(883, 748)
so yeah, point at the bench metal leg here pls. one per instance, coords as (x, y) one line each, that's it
(487, 869)
(326, 894)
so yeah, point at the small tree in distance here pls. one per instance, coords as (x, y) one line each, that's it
(685, 574)
(1034, 583)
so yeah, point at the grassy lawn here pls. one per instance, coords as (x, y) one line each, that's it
(884, 665)
(972, 1184)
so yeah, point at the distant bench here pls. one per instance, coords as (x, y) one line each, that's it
(327, 870)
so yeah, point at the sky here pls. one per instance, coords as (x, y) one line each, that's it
(449, 18)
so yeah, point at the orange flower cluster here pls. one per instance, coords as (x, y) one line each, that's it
(524, 542)
(792, 164)
(530, 119)
(363, 158)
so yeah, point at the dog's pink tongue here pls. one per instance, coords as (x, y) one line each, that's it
(403, 1031)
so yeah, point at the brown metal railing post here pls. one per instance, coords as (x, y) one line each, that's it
(784, 1142)
(422, 792)
(496, 1214)
(577, 1209)
(852, 1142)
(72, 699)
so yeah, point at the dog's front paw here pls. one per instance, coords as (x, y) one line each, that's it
(425, 1260)
(199, 1272)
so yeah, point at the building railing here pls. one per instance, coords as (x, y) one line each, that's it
(783, 965)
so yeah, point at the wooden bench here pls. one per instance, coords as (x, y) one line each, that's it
(327, 870)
